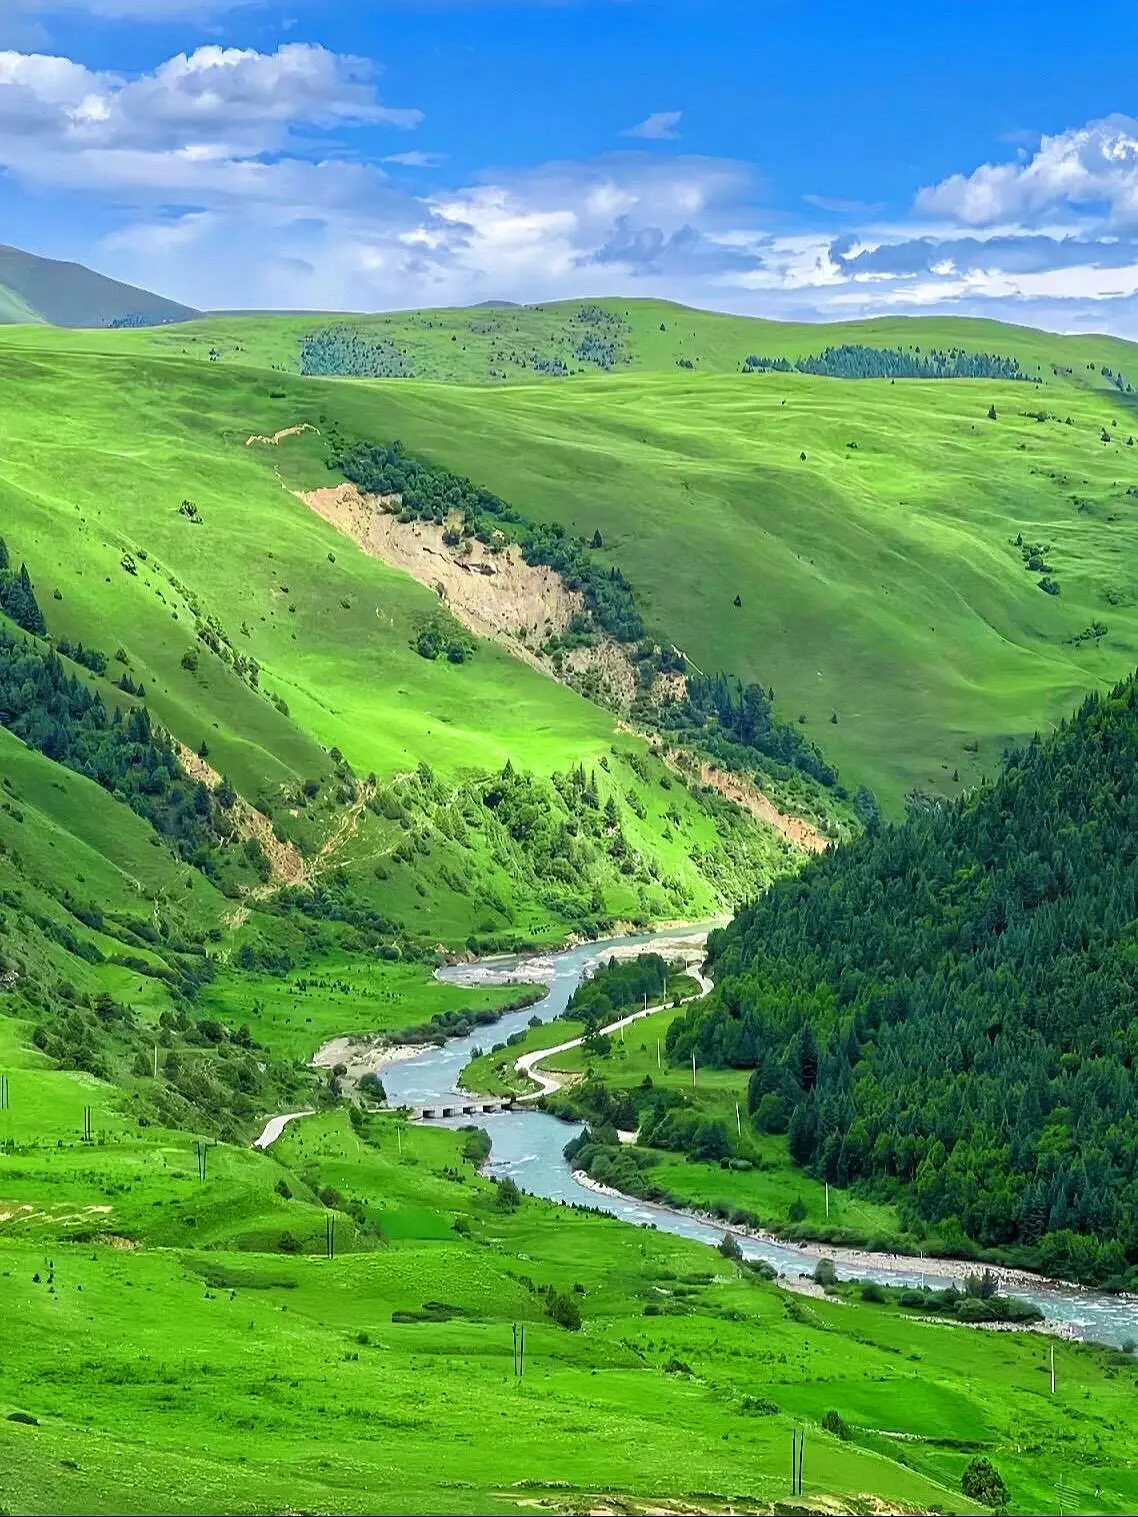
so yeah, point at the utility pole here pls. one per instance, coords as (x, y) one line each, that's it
(801, 1456)
(693, 1068)
(156, 1061)
(827, 1199)
(3, 1092)
(738, 1120)
(1053, 1369)
(658, 1064)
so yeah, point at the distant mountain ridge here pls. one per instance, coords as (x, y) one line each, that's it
(53, 293)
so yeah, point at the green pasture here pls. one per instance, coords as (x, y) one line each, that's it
(343, 994)
(879, 583)
(183, 1378)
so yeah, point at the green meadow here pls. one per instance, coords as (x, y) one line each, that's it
(180, 1378)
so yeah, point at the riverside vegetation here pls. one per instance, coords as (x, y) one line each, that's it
(249, 796)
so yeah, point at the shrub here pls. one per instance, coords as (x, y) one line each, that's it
(729, 1247)
(981, 1482)
(833, 1423)
(563, 1309)
(509, 1197)
(871, 1291)
(758, 1406)
(288, 1243)
(825, 1273)
(797, 1210)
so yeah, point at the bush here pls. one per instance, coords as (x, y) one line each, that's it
(729, 1247)
(833, 1423)
(288, 1243)
(871, 1291)
(797, 1210)
(563, 1309)
(981, 1482)
(825, 1273)
(509, 1197)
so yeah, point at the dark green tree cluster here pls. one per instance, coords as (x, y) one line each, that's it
(945, 1009)
(856, 361)
(616, 986)
(346, 351)
(61, 717)
(733, 721)
(91, 658)
(17, 597)
(594, 349)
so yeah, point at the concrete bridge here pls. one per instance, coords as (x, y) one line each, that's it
(459, 1108)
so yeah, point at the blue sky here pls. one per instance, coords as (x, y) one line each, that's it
(805, 159)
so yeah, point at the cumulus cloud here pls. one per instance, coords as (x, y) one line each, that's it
(218, 124)
(1091, 168)
(242, 178)
(661, 126)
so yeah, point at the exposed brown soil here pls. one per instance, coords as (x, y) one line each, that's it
(285, 859)
(304, 426)
(493, 592)
(743, 792)
(497, 595)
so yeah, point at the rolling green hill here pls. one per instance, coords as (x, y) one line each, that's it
(879, 577)
(158, 535)
(34, 289)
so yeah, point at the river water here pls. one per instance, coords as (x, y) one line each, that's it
(528, 1145)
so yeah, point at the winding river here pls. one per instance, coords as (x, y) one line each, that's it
(528, 1145)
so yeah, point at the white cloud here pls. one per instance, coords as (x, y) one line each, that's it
(661, 126)
(1092, 168)
(242, 178)
(415, 160)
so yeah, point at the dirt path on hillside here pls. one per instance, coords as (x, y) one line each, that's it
(551, 1080)
(304, 426)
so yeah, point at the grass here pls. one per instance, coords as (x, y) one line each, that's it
(177, 1352)
(294, 1014)
(178, 1380)
(878, 583)
(332, 631)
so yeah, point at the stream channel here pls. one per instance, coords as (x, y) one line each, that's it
(528, 1145)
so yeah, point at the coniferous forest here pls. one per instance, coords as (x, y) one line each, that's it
(946, 1009)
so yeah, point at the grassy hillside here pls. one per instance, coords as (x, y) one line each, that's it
(155, 1376)
(34, 289)
(881, 582)
(540, 344)
(879, 577)
(157, 535)
(344, 804)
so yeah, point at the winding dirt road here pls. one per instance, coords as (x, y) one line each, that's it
(548, 1083)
